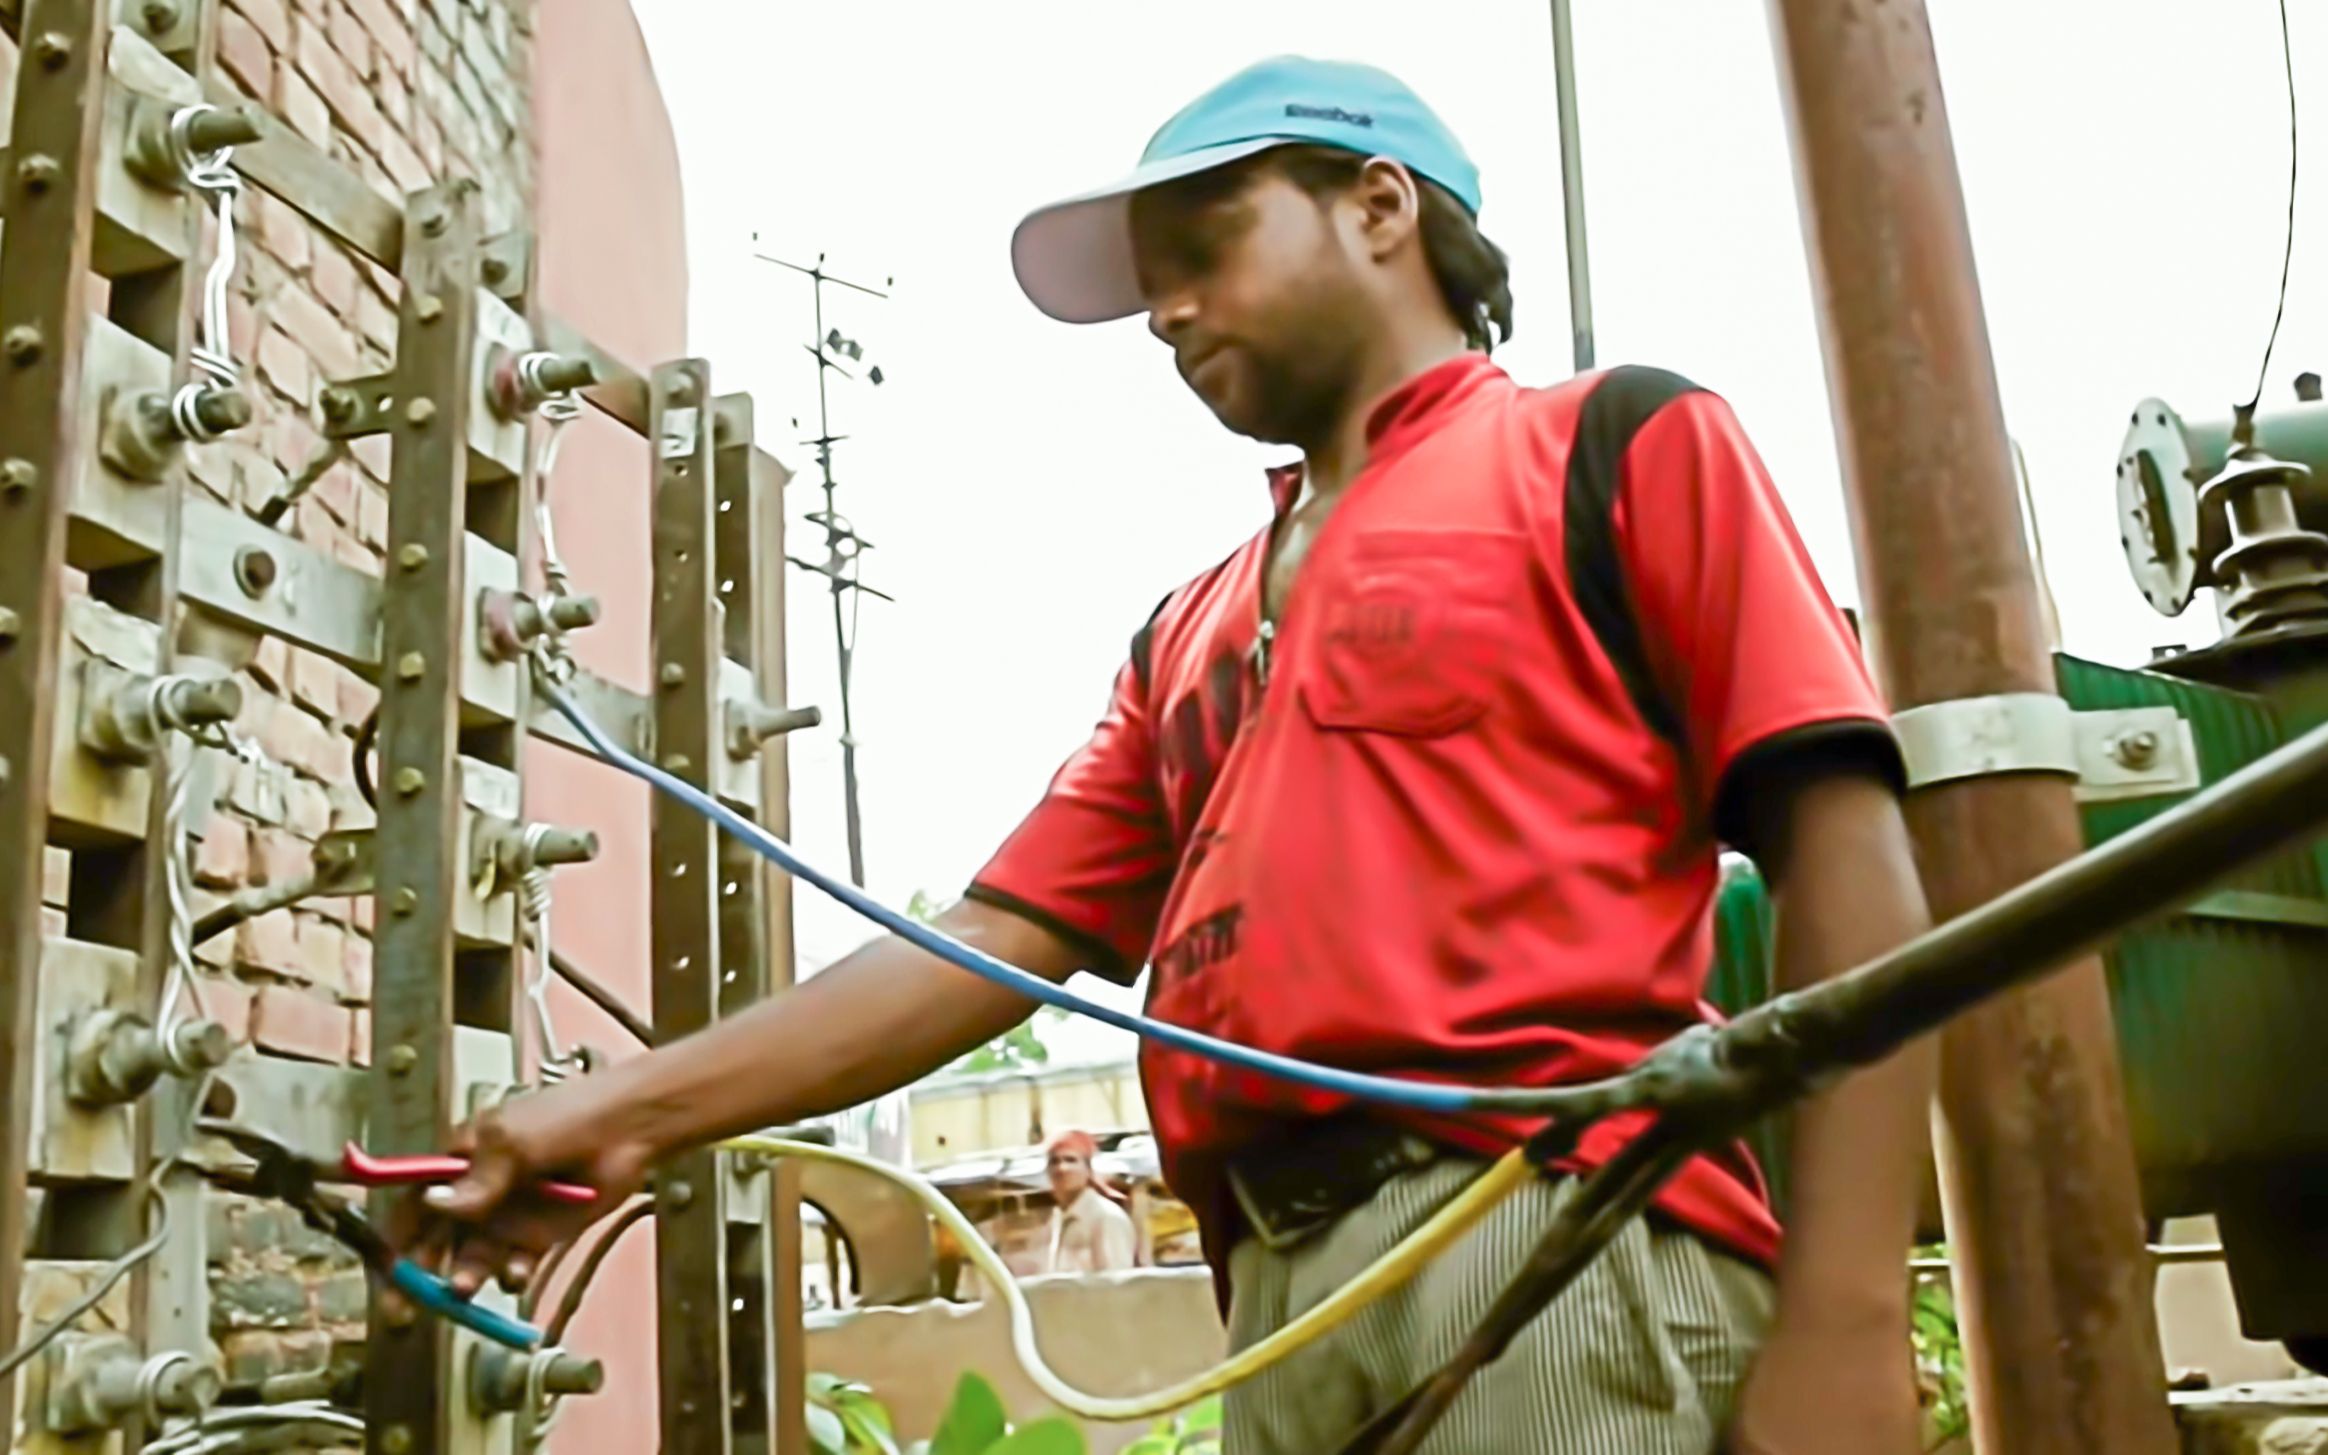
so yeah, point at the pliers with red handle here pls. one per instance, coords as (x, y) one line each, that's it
(288, 1176)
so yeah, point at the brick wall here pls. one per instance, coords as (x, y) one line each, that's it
(403, 92)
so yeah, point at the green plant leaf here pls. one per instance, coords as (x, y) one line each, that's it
(1043, 1437)
(826, 1432)
(974, 1420)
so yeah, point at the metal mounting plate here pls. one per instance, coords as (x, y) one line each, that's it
(2121, 753)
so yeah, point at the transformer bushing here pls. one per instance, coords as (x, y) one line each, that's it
(2275, 571)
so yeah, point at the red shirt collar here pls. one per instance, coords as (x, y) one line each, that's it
(1408, 413)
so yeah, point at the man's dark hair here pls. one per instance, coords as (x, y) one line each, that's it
(1473, 275)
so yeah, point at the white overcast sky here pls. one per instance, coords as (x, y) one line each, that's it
(1032, 489)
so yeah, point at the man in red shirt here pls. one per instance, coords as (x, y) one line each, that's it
(1427, 779)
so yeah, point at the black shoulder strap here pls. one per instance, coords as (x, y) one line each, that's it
(1625, 399)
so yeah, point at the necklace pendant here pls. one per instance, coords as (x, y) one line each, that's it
(1262, 641)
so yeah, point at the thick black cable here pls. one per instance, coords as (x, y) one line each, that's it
(570, 1302)
(367, 737)
(2287, 256)
(606, 1000)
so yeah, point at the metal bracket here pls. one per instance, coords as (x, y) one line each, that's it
(2114, 754)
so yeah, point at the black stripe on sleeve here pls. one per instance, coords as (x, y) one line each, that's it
(1101, 957)
(1760, 780)
(1625, 399)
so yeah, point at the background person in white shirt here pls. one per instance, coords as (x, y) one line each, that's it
(1090, 1231)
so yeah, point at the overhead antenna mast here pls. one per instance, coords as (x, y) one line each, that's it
(843, 546)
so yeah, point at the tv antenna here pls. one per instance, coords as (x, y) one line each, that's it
(844, 548)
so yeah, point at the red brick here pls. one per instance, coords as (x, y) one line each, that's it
(56, 875)
(335, 282)
(293, 736)
(341, 87)
(356, 972)
(385, 22)
(314, 680)
(377, 320)
(333, 907)
(357, 697)
(376, 454)
(311, 325)
(269, 17)
(261, 791)
(273, 664)
(394, 96)
(403, 163)
(289, 1022)
(360, 1037)
(300, 105)
(245, 53)
(279, 856)
(228, 1002)
(323, 946)
(372, 517)
(224, 859)
(269, 943)
(336, 492)
(283, 232)
(242, 324)
(283, 365)
(349, 38)
(362, 917)
(428, 135)
(355, 555)
(310, 809)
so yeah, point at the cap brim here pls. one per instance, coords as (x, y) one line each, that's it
(1074, 258)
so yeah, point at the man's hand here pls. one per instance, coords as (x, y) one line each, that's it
(484, 1227)
(1837, 1372)
(880, 1019)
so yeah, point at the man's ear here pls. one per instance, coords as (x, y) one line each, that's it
(1389, 205)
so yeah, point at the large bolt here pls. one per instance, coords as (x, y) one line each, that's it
(413, 556)
(409, 781)
(410, 666)
(38, 172)
(564, 846)
(420, 412)
(396, 1440)
(222, 410)
(339, 404)
(751, 725)
(159, 16)
(2135, 749)
(406, 901)
(18, 475)
(401, 1060)
(52, 49)
(21, 344)
(496, 270)
(205, 701)
(218, 128)
(433, 224)
(674, 673)
(572, 613)
(562, 372)
(11, 627)
(200, 1046)
(428, 308)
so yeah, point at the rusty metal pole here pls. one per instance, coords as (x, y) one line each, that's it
(2038, 1176)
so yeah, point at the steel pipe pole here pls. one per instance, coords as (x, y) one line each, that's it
(2037, 1168)
(1572, 187)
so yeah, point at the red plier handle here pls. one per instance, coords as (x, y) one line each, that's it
(367, 1170)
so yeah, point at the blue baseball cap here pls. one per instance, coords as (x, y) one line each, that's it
(1074, 257)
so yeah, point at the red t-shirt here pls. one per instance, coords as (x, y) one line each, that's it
(1467, 828)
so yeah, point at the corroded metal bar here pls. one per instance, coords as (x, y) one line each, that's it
(44, 264)
(408, 1363)
(691, 1219)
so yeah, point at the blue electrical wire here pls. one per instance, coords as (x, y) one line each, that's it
(1396, 1091)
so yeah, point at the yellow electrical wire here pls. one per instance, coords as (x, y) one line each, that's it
(1501, 1180)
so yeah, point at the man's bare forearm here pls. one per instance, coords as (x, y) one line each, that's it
(1845, 889)
(877, 1020)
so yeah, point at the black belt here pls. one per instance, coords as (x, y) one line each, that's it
(1298, 1183)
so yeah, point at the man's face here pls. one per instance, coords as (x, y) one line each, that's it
(1069, 1175)
(1256, 291)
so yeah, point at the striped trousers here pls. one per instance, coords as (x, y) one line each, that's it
(1642, 1355)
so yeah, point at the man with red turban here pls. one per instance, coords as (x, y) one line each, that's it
(1090, 1231)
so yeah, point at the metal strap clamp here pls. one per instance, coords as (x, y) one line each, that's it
(2114, 754)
